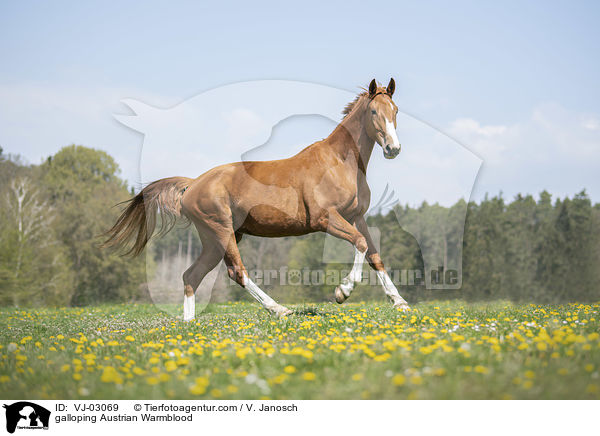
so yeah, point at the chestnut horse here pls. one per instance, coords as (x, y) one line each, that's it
(321, 189)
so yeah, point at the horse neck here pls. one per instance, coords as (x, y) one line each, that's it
(350, 136)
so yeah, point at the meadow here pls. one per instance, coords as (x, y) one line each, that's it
(438, 350)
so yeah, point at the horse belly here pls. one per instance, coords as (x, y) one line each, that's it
(270, 221)
(270, 210)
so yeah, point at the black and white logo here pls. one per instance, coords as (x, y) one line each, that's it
(26, 415)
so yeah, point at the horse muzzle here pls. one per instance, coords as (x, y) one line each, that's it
(391, 151)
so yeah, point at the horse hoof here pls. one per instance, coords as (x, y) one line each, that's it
(339, 296)
(403, 306)
(281, 311)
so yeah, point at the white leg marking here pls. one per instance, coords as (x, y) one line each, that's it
(267, 302)
(343, 291)
(189, 307)
(355, 274)
(390, 289)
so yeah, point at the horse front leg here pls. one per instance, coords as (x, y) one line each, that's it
(375, 261)
(343, 291)
(337, 226)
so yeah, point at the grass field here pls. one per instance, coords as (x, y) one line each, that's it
(439, 350)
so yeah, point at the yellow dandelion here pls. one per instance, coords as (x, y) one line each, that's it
(202, 381)
(138, 371)
(197, 389)
(481, 369)
(279, 379)
(110, 375)
(398, 380)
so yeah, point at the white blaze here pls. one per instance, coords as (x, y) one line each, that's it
(391, 133)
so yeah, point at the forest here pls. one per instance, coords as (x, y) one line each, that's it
(52, 215)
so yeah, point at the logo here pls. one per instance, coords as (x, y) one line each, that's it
(26, 415)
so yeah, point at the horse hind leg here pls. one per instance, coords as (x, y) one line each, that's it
(237, 272)
(210, 257)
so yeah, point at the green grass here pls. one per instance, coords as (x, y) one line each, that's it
(439, 350)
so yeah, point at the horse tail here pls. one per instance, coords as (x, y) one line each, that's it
(138, 221)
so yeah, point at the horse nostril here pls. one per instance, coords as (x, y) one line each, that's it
(388, 149)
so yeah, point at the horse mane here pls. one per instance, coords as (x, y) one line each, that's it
(365, 93)
(354, 103)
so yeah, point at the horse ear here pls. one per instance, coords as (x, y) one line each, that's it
(391, 87)
(372, 88)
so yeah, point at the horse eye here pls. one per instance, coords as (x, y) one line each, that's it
(374, 112)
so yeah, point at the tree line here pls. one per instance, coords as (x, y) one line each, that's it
(51, 215)
(50, 218)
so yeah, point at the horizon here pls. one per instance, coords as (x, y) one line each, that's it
(20, 160)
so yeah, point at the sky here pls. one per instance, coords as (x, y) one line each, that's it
(513, 83)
